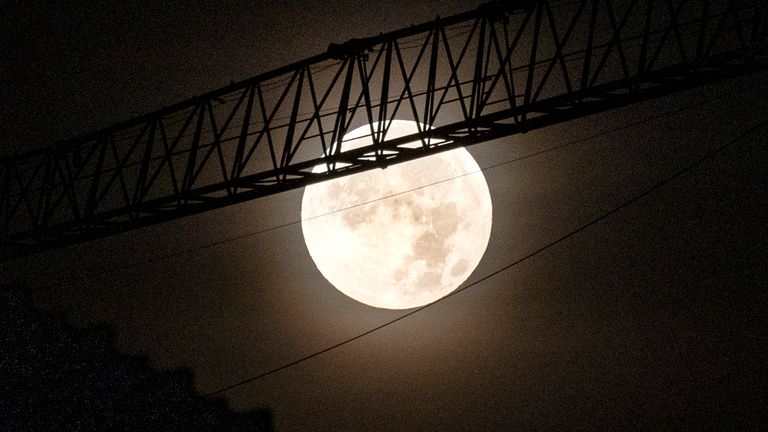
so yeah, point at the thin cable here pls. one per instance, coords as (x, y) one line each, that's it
(296, 222)
(581, 228)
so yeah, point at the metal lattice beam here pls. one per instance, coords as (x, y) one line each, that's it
(505, 68)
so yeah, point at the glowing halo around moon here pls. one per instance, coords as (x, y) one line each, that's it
(403, 236)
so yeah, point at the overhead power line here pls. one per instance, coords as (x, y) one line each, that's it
(543, 248)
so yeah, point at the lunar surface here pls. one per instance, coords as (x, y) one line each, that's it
(403, 236)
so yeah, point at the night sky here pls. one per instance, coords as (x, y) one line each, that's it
(650, 317)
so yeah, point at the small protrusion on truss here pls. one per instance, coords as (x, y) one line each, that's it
(381, 160)
(349, 49)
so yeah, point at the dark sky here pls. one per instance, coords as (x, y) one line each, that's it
(73, 67)
(649, 317)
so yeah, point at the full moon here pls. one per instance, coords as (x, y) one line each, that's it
(399, 237)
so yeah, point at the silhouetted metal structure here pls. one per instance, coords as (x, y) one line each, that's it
(505, 68)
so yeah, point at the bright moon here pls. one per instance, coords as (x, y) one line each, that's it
(403, 236)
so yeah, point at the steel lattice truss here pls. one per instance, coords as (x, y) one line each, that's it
(505, 68)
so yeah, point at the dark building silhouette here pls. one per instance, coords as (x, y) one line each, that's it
(54, 377)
